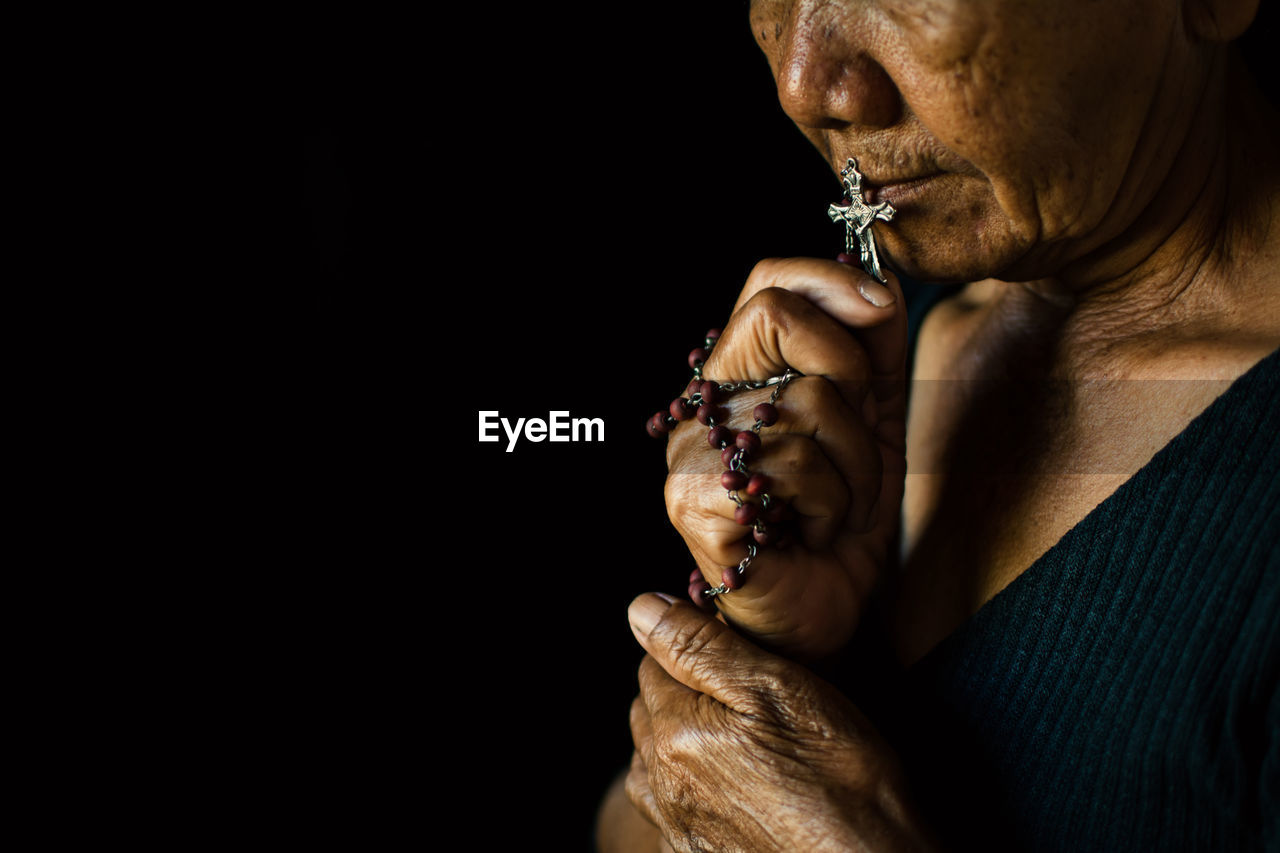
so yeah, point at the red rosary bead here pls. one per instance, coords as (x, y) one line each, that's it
(681, 409)
(730, 578)
(698, 357)
(748, 441)
(766, 414)
(746, 514)
(707, 413)
(726, 455)
(710, 392)
(757, 484)
(719, 436)
(733, 480)
(698, 592)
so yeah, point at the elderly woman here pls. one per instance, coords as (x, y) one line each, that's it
(1050, 588)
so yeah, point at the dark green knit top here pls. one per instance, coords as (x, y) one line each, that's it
(1122, 693)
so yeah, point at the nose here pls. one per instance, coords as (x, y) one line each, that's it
(826, 80)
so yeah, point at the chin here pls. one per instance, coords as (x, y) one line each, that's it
(939, 267)
(942, 253)
(930, 274)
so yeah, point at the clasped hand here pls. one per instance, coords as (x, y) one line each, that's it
(736, 747)
(740, 750)
(836, 456)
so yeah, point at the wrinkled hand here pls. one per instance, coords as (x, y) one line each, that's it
(741, 750)
(836, 456)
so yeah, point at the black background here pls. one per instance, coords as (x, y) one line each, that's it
(521, 212)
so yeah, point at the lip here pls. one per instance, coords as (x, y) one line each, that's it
(899, 191)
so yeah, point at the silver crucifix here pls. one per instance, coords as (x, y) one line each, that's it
(858, 217)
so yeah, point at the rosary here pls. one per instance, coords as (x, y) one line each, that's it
(764, 515)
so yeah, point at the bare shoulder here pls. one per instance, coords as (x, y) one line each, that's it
(947, 329)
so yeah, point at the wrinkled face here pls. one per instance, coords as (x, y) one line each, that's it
(1013, 136)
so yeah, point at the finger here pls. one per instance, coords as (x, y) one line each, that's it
(797, 473)
(783, 581)
(841, 290)
(709, 531)
(668, 703)
(639, 792)
(819, 457)
(839, 440)
(696, 501)
(817, 498)
(642, 729)
(703, 654)
(777, 329)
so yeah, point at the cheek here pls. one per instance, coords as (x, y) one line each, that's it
(1049, 110)
(990, 209)
(938, 34)
(1030, 158)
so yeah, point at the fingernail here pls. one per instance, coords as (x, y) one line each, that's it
(646, 610)
(876, 293)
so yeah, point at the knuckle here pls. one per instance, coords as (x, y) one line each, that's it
(810, 398)
(639, 714)
(683, 747)
(694, 637)
(685, 489)
(715, 540)
(682, 445)
(677, 494)
(765, 271)
(767, 685)
(799, 455)
(773, 305)
(767, 266)
(691, 510)
(724, 547)
(750, 342)
(636, 787)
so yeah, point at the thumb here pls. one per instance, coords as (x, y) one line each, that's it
(886, 342)
(700, 652)
(875, 313)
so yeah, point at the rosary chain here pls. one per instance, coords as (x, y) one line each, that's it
(735, 458)
(738, 463)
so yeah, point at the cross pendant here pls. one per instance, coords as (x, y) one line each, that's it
(858, 216)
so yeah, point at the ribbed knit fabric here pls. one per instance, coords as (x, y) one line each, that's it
(1121, 694)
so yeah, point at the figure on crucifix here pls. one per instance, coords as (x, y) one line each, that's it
(858, 216)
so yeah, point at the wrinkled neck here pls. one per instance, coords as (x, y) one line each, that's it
(1207, 239)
